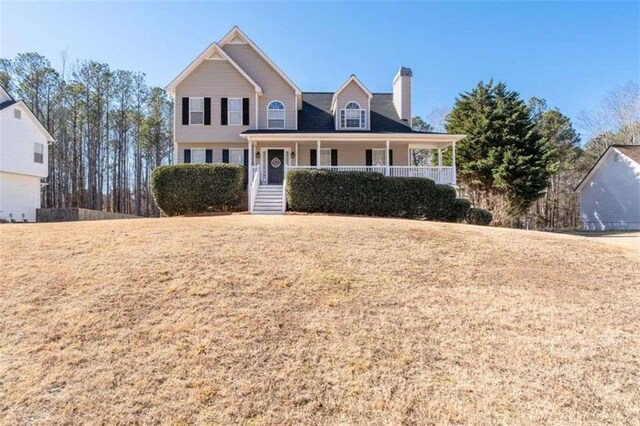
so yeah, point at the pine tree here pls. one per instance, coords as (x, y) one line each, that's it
(502, 157)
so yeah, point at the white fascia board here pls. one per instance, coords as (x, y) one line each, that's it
(361, 136)
(32, 117)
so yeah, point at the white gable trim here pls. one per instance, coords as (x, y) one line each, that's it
(354, 79)
(5, 94)
(209, 52)
(599, 164)
(236, 36)
(32, 117)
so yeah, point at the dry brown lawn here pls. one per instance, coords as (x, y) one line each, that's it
(315, 320)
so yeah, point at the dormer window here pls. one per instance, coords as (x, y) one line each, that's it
(353, 117)
(275, 115)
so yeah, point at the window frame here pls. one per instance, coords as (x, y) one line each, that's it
(384, 157)
(37, 145)
(235, 112)
(361, 116)
(191, 111)
(204, 155)
(231, 150)
(319, 159)
(284, 114)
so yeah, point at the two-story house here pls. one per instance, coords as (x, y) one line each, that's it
(23, 159)
(234, 105)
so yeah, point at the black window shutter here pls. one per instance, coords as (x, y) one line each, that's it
(223, 111)
(225, 155)
(313, 159)
(369, 157)
(207, 111)
(187, 155)
(246, 158)
(245, 111)
(185, 111)
(334, 157)
(208, 156)
(391, 157)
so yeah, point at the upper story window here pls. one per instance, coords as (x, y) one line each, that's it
(17, 113)
(38, 153)
(353, 117)
(235, 111)
(196, 110)
(275, 115)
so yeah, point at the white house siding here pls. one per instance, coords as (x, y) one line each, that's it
(19, 194)
(352, 92)
(17, 144)
(610, 199)
(213, 79)
(274, 87)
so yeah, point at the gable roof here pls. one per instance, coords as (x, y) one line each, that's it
(30, 115)
(214, 51)
(236, 33)
(316, 116)
(630, 151)
(351, 79)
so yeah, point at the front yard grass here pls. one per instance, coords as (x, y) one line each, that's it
(316, 320)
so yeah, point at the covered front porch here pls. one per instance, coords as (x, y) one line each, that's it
(410, 155)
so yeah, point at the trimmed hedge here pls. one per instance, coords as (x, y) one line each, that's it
(477, 216)
(197, 188)
(367, 193)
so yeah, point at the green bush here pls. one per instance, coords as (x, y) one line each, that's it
(367, 193)
(197, 188)
(476, 216)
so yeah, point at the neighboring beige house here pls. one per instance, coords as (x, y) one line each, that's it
(234, 105)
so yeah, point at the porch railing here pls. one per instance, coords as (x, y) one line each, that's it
(254, 175)
(445, 175)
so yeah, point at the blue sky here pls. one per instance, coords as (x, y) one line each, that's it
(570, 53)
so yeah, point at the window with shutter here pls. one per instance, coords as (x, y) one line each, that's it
(235, 111)
(196, 110)
(236, 156)
(198, 155)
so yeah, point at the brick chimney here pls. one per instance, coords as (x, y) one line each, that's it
(402, 93)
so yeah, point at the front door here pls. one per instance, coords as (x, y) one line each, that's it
(275, 166)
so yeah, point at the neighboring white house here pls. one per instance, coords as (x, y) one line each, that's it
(23, 159)
(610, 193)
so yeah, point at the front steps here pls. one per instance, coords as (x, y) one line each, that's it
(268, 200)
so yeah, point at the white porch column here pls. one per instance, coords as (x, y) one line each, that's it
(439, 165)
(297, 153)
(250, 174)
(318, 156)
(453, 162)
(386, 161)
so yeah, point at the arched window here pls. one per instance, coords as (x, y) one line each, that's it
(352, 116)
(275, 115)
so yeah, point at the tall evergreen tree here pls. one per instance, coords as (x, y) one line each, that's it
(503, 157)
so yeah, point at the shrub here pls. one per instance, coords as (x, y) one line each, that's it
(197, 188)
(367, 193)
(477, 216)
